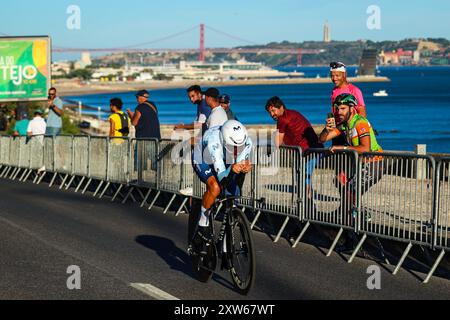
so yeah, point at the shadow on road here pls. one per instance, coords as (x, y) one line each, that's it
(176, 258)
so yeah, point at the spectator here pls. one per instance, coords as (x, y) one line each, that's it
(293, 128)
(203, 110)
(145, 118)
(338, 73)
(3, 122)
(37, 126)
(54, 122)
(362, 136)
(362, 140)
(218, 115)
(225, 102)
(22, 122)
(119, 121)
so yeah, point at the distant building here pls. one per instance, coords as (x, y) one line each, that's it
(326, 33)
(396, 57)
(428, 45)
(84, 62)
(60, 68)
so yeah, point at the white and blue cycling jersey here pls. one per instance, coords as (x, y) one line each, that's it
(211, 157)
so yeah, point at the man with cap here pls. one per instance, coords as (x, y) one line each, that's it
(218, 115)
(37, 126)
(145, 118)
(338, 74)
(225, 102)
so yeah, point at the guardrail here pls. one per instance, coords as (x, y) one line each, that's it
(395, 196)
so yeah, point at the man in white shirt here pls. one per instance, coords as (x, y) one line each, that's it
(218, 115)
(37, 126)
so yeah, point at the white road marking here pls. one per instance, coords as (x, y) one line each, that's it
(153, 292)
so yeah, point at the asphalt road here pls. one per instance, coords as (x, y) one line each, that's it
(44, 231)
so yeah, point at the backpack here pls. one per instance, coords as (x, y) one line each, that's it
(124, 120)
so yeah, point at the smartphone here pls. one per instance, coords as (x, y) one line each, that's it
(331, 116)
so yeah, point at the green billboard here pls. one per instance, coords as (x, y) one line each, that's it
(24, 68)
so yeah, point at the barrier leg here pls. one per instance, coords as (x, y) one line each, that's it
(117, 193)
(16, 174)
(28, 175)
(4, 171)
(10, 176)
(335, 242)
(98, 188)
(41, 177)
(140, 193)
(128, 195)
(433, 269)
(23, 175)
(104, 190)
(405, 254)
(305, 228)
(36, 178)
(170, 203)
(181, 207)
(7, 176)
(255, 220)
(358, 247)
(154, 200)
(79, 184)
(133, 198)
(53, 180)
(70, 183)
(277, 238)
(380, 246)
(87, 185)
(63, 181)
(144, 202)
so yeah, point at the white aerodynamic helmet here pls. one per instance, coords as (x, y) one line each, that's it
(234, 133)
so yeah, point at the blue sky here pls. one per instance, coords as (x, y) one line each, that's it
(121, 23)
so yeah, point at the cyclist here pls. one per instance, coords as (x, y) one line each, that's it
(361, 138)
(222, 164)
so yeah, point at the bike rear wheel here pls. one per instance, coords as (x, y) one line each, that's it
(242, 252)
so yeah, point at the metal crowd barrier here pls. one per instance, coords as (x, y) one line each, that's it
(276, 185)
(118, 160)
(442, 231)
(442, 217)
(400, 197)
(14, 156)
(63, 147)
(143, 169)
(329, 182)
(37, 152)
(170, 169)
(80, 163)
(5, 142)
(397, 198)
(24, 152)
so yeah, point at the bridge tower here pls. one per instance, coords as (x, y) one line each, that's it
(202, 43)
(299, 57)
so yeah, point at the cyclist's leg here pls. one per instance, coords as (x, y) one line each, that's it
(209, 197)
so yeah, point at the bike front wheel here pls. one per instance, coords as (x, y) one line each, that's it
(242, 252)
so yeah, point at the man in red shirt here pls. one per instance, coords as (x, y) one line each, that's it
(293, 128)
